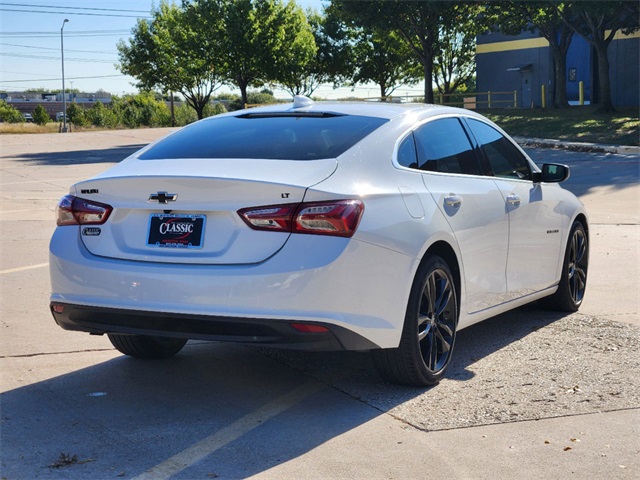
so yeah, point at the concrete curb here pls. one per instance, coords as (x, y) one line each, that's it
(578, 146)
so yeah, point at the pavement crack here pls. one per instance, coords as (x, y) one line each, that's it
(30, 355)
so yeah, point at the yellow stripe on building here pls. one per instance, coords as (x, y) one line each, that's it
(512, 45)
(535, 43)
(621, 36)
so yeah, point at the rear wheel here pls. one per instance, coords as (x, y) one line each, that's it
(144, 346)
(429, 329)
(573, 281)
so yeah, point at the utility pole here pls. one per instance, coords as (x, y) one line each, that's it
(64, 99)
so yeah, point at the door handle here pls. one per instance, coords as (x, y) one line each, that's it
(452, 200)
(513, 199)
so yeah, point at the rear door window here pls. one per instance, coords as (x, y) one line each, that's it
(443, 146)
(277, 136)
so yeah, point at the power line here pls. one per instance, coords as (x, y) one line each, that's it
(42, 57)
(58, 32)
(57, 49)
(74, 13)
(74, 8)
(57, 79)
(66, 35)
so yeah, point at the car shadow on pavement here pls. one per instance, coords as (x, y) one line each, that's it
(472, 344)
(80, 157)
(233, 411)
(213, 410)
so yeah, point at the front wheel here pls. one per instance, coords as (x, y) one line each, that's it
(429, 330)
(145, 346)
(573, 281)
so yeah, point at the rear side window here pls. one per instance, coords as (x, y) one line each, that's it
(443, 146)
(504, 157)
(277, 136)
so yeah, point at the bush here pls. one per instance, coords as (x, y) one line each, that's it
(40, 115)
(101, 116)
(143, 109)
(76, 115)
(214, 109)
(10, 114)
(185, 115)
(253, 98)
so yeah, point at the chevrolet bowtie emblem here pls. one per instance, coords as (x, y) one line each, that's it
(163, 197)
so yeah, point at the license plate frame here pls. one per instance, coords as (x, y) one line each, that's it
(176, 230)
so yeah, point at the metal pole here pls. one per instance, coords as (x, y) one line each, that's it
(64, 99)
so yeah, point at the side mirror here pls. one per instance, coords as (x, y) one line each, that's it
(551, 173)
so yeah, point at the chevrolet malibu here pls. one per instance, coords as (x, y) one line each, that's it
(324, 226)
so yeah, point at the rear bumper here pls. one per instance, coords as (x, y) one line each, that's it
(343, 284)
(256, 331)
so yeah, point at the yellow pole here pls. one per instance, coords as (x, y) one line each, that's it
(544, 96)
(581, 92)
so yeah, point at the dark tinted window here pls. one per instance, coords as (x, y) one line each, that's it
(407, 156)
(504, 157)
(279, 136)
(443, 146)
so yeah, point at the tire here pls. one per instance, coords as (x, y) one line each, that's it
(429, 331)
(573, 281)
(143, 346)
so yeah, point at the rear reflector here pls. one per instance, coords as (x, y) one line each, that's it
(309, 328)
(338, 218)
(79, 211)
(57, 308)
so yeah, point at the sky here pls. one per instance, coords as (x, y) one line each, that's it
(30, 49)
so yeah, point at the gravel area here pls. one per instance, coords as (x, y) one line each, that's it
(524, 365)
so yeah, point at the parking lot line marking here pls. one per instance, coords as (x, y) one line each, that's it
(216, 441)
(22, 269)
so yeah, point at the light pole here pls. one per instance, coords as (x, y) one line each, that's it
(64, 99)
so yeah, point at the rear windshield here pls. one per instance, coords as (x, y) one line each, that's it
(277, 136)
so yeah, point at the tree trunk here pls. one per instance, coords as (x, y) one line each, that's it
(428, 80)
(560, 82)
(173, 111)
(200, 110)
(605, 104)
(242, 85)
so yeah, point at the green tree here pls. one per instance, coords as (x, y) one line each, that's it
(416, 22)
(40, 115)
(10, 114)
(454, 62)
(384, 59)
(172, 52)
(598, 23)
(294, 56)
(263, 40)
(545, 18)
(334, 38)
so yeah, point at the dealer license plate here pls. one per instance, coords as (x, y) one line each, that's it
(176, 231)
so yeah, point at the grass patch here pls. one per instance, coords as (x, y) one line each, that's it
(28, 128)
(52, 127)
(578, 124)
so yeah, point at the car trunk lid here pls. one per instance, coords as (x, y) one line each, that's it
(185, 211)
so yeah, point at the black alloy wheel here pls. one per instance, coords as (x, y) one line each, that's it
(573, 281)
(429, 332)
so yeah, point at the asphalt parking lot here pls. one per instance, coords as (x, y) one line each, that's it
(530, 394)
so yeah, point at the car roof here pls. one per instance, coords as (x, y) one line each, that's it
(370, 109)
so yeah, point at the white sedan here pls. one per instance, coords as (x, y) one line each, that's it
(321, 226)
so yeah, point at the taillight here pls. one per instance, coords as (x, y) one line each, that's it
(79, 211)
(338, 218)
